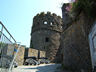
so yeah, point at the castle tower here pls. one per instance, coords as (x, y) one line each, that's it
(45, 34)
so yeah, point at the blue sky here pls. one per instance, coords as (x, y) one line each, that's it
(17, 15)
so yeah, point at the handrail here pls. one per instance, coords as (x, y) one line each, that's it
(7, 40)
(7, 31)
(5, 36)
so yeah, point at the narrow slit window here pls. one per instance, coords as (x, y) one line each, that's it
(46, 39)
(51, 23)
(44, 47)
(38, 23)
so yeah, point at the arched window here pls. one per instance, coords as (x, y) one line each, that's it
(45, 22)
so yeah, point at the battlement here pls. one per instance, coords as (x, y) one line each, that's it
(47, 21)
(46, 14)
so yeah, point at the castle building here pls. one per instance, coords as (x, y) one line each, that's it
(70, 39)
(46, 34)
(75, 41)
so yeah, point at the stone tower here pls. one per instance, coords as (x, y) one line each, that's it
(45, 34)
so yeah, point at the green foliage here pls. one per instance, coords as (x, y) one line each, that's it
(87, 6)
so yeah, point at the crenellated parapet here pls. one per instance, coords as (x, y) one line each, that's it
(47, 21)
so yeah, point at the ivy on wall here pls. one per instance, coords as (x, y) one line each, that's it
(86, 6)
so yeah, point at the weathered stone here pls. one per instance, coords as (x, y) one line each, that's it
(34, 52)
(45, 35)
(20, 55)
(7, 54)
(75, 45)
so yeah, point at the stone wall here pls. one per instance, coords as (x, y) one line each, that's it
(7, 54)
(75, 45)
(10, 50)
(34, 52)
(20, 55)
(42, 54)
(50, 47)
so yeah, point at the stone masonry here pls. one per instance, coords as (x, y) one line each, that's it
(20, 55)
(7, 54)
(34, 52)
(64, 40)
(45, 34)
(75, 44)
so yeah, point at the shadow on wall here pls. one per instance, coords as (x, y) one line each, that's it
(59, 56)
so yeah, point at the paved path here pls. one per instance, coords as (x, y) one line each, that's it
(40, 68)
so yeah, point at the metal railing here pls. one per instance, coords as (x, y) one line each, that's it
(7, 46)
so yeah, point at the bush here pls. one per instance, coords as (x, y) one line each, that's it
(87, 6)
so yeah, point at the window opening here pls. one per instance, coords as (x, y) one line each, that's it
(51, 23)
(46, 39)
(45, 22)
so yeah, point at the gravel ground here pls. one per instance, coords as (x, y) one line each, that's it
(39, 68)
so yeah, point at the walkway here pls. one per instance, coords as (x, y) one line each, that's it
(40, 68)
